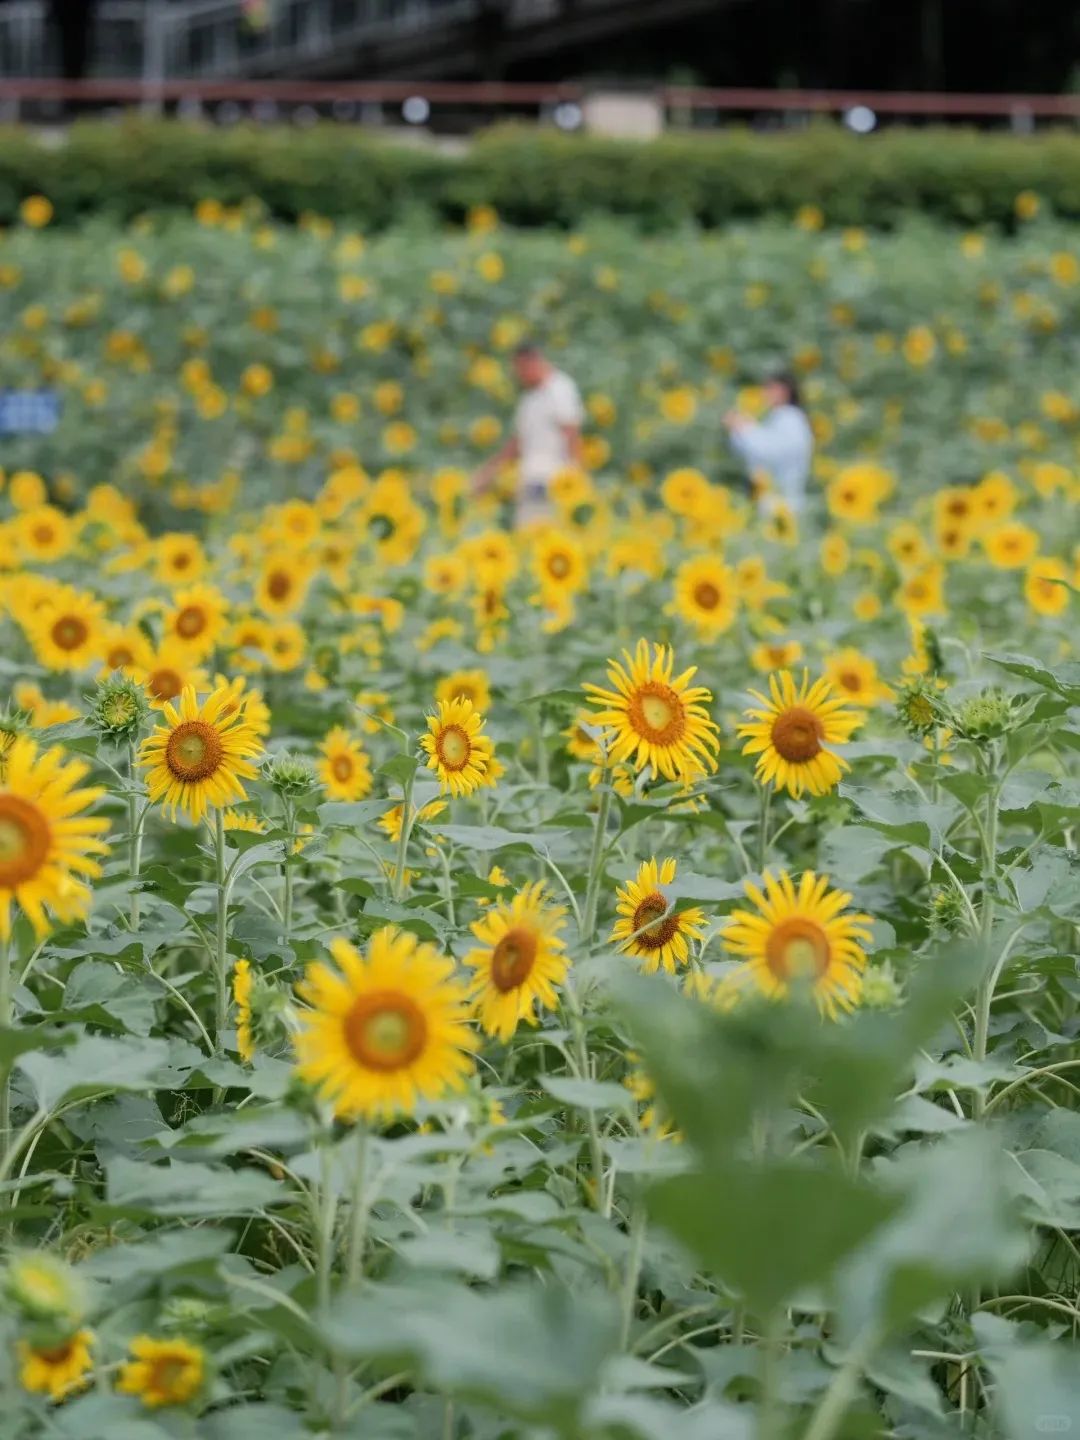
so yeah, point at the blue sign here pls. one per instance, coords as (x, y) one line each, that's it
(29, 412)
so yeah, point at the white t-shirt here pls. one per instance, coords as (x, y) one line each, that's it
(782, 444)
(541, 414)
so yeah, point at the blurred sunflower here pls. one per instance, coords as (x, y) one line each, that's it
(797, 937)
(283, 583)
(519, 963)
(706, 596)
(471, 685)
(67, 630)
(197, 619)
(162, 1372)
(56, 1369)
(344, 769)
(854, 676)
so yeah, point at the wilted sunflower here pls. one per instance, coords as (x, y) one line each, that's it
(345, 770)
(384, 1031)
(197, 760)
(520, 962)
(647, 926)
(47, 840)
(656, 718)
(56, 1370)
(790, 731)
(162, 1372)
(800, 937)
(706, 596)
(458, 751)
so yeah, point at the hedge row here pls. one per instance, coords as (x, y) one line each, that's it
(539, 177)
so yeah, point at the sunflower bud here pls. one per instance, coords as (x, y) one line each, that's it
(44, 1289)
(186, 1313)
(13, 723)
(919, 708)
(119, 709)
(290, 775)
(948, 911)
(881, 989)
(986, 716)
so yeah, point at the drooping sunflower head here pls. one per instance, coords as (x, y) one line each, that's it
(386, 1030)
(654, 717)
(457, 749)
(799, 937)
(199, 758)
(648, 925)
(790, 731)
(519, 962)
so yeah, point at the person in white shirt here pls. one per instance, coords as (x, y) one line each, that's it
(546, 438)
(780, 446)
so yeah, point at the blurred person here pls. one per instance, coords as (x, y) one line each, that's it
(546, 438)
(779, 446)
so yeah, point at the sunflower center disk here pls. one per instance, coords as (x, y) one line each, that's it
(69, 633)
(512, 960)
(165, 684)
(167, 1373)
(341, 766)
(656, 712)
(797, 949)
(850, 681)
(454, 748)
(194, 750)
(559, 566)
(797, 735)
(385, 1031)
(278, 586)
(649, 919)
(24, 840)
(706, 595)
(190, 622)
(119, 657)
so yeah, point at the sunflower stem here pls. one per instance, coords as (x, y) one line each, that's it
(287, 896)
(403, 839)
(764, 803)
(359, 1209)
(592, 888)
(770, 1415)
(6, 1015)
(633, 1271)
(221, 956)
(135, 834)
(583, 1071)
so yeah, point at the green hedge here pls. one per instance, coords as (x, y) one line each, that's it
(539, 177)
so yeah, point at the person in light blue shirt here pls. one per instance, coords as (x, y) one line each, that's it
(779, 446)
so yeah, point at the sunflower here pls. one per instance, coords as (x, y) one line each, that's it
(580, 743)
(646, 926)
(686, 492)
(800, 936)
(47, 840)
(56, 1370)
(180, 558)
(286, 645)
(199, 757)
(162, 1372)
(790, 731)
(344, 770)
(457, 750)
(776, 654)
(445, 574)
(283, 583)
(124, 648)
(1043, 589)
(166, 671)
(856, 492)
(391, 821)
(241, 988)
(559, 564)
(1011, 546)
(906, 545)
(197, 619)
(922, 592)
(854, 676)
(835, 553)
(469, 685)
(43, 534)
(248, 702)
(384, 1031)
(244, 821)
(655, 718)
(67, 630)
(520, 961)
(705, 596)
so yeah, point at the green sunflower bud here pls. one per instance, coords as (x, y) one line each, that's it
(986, 716)
(44, 1288)
(881, 989)
(948, 911)
(289, 775)
(119, 709)
(919, 708)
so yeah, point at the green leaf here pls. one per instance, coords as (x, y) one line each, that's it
(21, 1039)
(400, 768)
(487, 838)
(588, 1094)
(94, 1064)
(902, 815)
(189, 1189)
(1063, 680)
(1038, 1390)
(352, 814)
(737, 1218)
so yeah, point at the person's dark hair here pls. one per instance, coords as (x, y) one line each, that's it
(527, 347)
(790, 384)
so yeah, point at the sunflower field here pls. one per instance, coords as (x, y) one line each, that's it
(612, 981)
